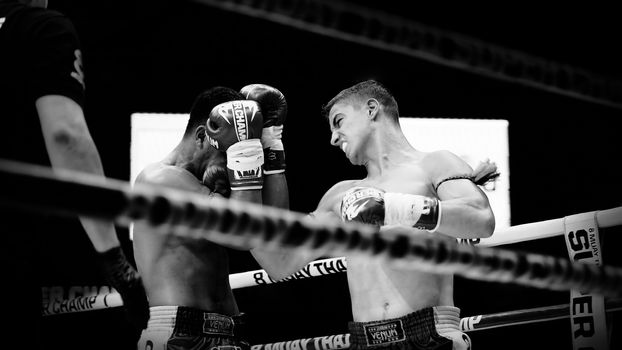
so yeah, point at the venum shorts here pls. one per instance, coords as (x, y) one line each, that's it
(431, 328)
(185, 328)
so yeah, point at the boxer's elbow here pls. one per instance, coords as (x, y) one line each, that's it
(70, 141)
(279, 272)
(484, 219)
(277, 275)
(278, 265)
(488, 224)
(67, 139)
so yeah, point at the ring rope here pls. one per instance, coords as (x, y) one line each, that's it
(240, 224)
(549, 228)
(542, 229)
(467, 324)
(98, 301)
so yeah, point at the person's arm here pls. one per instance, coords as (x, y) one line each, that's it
(274, 111)
(275, 191)
(465, 209)
(58, 92)
(460, 209)
(71, 147)
(466, 212)
(281, 262)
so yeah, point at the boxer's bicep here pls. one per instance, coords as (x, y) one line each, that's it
(465, 209)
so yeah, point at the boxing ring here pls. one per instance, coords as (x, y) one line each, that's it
(186, 214)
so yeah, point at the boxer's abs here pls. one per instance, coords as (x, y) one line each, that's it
(194, 276)
(379, 292)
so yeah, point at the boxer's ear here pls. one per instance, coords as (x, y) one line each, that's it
(373, 106)
(200, 136)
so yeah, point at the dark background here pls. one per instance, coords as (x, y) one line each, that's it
(156, 56)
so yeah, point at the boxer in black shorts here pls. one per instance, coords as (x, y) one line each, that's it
(231, 148)
(432, 328)
(189, 328)
(406, 192)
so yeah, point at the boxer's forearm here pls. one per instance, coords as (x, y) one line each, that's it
(283, 262)
(275, 191)
(252, 196)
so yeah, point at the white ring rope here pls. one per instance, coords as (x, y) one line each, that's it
(467, 324)
(549, 228)
(191, 215)
(98, 301)
(322, 267)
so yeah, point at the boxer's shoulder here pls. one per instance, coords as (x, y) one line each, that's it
(341, 187)
(169, 176)
(443, 164)
(331, 200)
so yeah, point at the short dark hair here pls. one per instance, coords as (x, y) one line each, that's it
(205, 102)
(364, 90)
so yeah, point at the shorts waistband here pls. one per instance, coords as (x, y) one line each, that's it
(420, 325)
(446, 318)
(191, 321)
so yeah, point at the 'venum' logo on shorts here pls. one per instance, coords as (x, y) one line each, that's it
(385, 332)
(217, 324)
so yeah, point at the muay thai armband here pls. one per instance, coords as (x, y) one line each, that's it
(374, 206)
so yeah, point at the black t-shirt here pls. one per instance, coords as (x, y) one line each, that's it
(39, 55)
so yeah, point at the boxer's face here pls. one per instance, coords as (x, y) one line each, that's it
(204, 154)
(350, 129)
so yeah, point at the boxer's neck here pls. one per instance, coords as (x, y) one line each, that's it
(388, 148)
(188, 156)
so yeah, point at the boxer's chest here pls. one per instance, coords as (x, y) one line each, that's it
(405, 179)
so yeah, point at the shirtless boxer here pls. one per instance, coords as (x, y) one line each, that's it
(424, 193)
(187, 281)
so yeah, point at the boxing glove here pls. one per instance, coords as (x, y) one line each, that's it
(274, 110)
(235, 127)
(374, 206)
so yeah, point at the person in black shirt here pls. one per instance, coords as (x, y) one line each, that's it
(41, 110)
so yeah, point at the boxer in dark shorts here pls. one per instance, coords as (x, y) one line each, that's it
(406, 193)
(432, 328)
(221, 154)
(179, 327)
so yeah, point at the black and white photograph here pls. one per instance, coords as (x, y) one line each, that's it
(310, 175)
